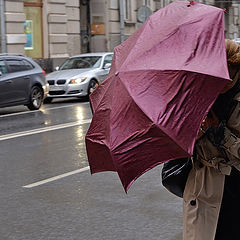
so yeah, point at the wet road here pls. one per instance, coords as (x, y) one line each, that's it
(47, 192)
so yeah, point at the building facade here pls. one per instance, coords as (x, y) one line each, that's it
(52, 30)
(46, 30)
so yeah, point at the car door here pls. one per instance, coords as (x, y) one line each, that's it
(5, 85)
(104, 71)
(19, 77)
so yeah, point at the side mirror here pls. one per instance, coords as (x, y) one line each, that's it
(57, 68)
(107, 65)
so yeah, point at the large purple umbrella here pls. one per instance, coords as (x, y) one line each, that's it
(162, 83)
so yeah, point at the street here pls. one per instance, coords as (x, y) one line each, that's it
(47, 191)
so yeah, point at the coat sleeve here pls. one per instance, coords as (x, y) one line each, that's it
(231, 141)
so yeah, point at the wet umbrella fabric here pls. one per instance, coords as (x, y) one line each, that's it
(162, 83)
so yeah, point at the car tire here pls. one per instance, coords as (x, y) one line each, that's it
(92, 86)
(47, 100)
(36, 98)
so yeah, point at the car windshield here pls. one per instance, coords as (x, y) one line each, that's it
(82, 62)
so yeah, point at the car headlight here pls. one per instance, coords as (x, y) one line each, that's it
(77, 80)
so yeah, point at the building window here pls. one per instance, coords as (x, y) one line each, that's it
(127, 10)
(33, 28)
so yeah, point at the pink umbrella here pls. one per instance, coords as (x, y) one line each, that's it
(162, 83)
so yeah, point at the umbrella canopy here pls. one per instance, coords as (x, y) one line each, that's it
(162, 83)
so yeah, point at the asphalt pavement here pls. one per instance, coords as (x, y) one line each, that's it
(47, 147)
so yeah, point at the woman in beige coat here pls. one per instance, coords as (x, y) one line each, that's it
(211, 201)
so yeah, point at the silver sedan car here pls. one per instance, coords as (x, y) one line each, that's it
(79, 75)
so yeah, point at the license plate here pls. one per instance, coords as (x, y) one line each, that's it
(56, 88)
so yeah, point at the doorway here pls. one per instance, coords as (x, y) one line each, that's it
(85, 26)
(33, 29)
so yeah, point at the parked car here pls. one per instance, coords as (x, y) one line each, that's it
(79, 75)
(22, 82)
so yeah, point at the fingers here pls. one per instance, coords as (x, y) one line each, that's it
(208, 121)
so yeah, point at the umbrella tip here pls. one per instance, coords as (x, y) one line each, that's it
(190, 3)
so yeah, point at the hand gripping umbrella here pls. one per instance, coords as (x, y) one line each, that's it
(162, 83)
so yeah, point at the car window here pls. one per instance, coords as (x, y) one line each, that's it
(82, 62)
(15, 65)
(108, 59)
(3, 68)
(28, 65)
(97, 64)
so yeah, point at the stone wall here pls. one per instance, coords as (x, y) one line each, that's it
(57, 28)
(73, 27)
(14, 26)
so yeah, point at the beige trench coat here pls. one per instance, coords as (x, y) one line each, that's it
(204, 188)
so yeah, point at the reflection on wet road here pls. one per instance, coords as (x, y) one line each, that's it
(48, 115)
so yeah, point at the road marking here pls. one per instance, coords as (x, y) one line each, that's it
(72, 105)
(18, 113)
(44, 129)
(56, 177)
(40, 110)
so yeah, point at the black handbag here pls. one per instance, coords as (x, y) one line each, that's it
(175, 174)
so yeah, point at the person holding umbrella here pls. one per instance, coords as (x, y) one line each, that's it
(211, 197)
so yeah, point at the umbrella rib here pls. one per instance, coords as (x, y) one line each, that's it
(142, 110)
(145, 114)
(162, 70)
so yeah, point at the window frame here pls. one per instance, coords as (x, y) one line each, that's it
(22, 63)
(109, 55)
(6, 68)
(28, 63)
(127, 6)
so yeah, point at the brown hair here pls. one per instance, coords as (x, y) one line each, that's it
(233, 60)
(233, 52)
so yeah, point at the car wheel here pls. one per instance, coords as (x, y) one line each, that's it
(92, 86)
(36, 98)
(47, 100)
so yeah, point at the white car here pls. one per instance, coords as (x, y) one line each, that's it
(79, 75)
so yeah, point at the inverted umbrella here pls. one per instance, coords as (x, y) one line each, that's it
(162, 83)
